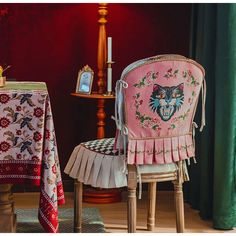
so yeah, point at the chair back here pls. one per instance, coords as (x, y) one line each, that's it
(160, 96)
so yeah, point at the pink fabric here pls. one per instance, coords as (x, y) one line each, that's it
(28, 150)
(159, 151)
(168, 132)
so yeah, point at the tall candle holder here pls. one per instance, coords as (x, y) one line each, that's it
(105, 62)
(109, 77)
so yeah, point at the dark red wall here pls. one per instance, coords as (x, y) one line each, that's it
(51, 42)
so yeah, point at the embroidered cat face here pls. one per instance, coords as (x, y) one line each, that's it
(165, 101)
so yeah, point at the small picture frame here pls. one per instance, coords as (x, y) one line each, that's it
(85, 80)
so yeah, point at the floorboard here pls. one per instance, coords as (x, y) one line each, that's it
(114, 215)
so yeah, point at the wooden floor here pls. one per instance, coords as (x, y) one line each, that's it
(114, 215)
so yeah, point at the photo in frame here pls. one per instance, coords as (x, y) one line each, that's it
(85, 80)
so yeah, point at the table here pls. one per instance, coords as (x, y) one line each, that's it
(101, 115)
(28, 149)
(91, 195)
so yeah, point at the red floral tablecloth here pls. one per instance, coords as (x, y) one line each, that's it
(28, 149)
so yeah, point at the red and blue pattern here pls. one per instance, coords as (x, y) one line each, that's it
(28, 149)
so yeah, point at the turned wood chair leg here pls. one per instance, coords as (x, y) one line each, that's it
(7, 216)
(151, 206)
(132, 201)
(78, 191)
(179, 205)
(132, 214)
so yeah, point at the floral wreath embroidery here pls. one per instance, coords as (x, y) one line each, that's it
(192, 82)
(170, 73)
(145, 121)
(154, 123)
(147, 80)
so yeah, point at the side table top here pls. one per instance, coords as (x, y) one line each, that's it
(93, 95)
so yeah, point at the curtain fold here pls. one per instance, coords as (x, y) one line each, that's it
(212, 186)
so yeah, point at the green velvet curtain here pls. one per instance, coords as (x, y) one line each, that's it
(212, 186)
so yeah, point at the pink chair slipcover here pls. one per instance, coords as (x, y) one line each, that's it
(156, 103)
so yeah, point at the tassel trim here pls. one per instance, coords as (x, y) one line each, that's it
(160, 150)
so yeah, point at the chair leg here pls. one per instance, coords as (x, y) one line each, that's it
(7, 215)
(78, 191)
(179, 205)
(132, 201)
(151, 206)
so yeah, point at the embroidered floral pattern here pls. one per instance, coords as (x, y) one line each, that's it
(147, 79)
(145, 121)
(171, 73)
(38, 112)
(190, 78)
(185, 147)
(37, 136)
(28, 149)
(4, 146)
(4, 98)
(35, 158)
(190, 81)
(4, 122)
(176, 121)
(47, 134)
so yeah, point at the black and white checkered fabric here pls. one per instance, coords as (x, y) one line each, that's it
(103, 146)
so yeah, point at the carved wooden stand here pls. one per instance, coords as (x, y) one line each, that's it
(101, 115)
(102, 47)
(7, 216)
(93, 195)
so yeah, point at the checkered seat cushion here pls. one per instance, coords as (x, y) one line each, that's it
(103, 146)
(96, 163)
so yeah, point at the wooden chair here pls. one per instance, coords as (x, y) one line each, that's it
(152, 179)
(174, 96)
(156, 100)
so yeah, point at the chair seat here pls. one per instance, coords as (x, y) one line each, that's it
(96, 163)
(106, 146)
(163, 168)
(103, 146)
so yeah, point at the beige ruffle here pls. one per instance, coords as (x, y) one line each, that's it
(96, 169)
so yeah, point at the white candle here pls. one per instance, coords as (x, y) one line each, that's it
(109, 79)
(109, 45)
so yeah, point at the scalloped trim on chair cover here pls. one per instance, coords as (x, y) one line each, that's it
(96, 169)
(160, 150)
